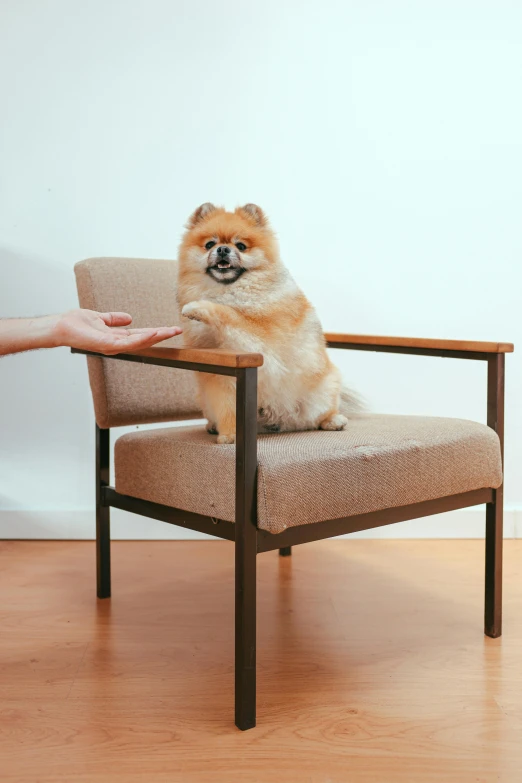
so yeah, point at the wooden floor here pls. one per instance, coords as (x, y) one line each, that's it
(372, 666)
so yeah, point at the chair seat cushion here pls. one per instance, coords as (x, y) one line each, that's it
(378, 462)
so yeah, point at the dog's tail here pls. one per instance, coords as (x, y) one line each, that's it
(351, 402)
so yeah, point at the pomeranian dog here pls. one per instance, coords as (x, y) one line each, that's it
(238, 295)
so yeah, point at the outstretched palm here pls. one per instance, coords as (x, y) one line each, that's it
(104, 332)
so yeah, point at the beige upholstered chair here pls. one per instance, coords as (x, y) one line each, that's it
(276, 490)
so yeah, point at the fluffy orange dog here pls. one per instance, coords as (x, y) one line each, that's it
(238, 295)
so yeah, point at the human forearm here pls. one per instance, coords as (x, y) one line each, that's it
(27, 334)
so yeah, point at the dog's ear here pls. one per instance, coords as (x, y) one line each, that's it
(254, 213)
(200, 213)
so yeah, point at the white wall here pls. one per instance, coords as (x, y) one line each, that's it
(383, 138)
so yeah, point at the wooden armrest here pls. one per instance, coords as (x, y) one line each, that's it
(413, 344)
(184, 356)
(205, 356)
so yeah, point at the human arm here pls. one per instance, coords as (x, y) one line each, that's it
(83, 329)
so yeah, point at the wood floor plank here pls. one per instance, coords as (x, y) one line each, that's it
(372, 666)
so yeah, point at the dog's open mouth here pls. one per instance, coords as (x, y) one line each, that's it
(225, 272)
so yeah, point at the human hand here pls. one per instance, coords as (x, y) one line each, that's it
(103, 332)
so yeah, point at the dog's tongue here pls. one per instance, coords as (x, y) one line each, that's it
(224, 265)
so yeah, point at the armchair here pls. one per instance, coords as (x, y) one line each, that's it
(278, 490)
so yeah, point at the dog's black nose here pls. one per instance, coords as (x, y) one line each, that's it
(223, 251)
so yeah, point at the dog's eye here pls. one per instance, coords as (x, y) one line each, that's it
(209, 245)
(240, 246)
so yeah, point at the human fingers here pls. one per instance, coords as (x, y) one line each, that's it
(149, 337)
(164, 331)
(116, 319)
(123, 340)
(132, 342)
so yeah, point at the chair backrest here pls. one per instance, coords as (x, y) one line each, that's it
(127, 392)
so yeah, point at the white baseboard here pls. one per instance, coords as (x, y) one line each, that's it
(79, 524)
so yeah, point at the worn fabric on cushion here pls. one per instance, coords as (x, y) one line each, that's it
(378, 462)
(125, 392)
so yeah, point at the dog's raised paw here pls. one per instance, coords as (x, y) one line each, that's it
(197, 311)
(336, 421)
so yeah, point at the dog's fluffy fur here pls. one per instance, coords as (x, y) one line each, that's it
(238, 295)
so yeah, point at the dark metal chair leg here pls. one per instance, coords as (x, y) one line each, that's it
(246, 548)
(285, 551)
(494, 511)
(493, 592)
(103, 524)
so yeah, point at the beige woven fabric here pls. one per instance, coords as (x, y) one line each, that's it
(124, 392)
(304, 477)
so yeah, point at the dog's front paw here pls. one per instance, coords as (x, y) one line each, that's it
(227, 438)
(336, 421)
(197, 311)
